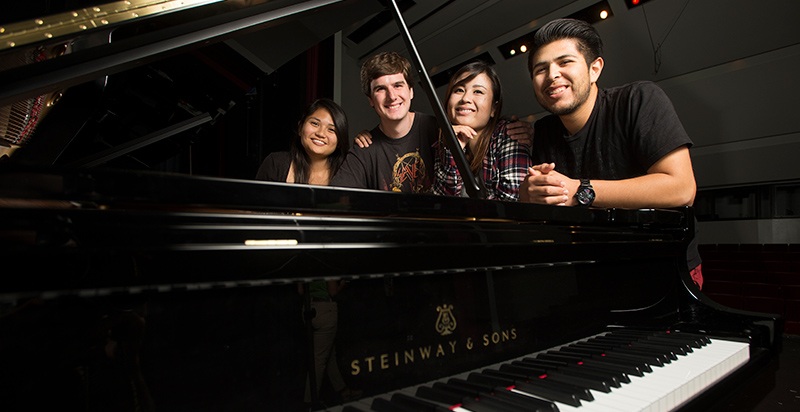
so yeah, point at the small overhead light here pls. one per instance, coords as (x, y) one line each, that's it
(597, 12)
(523, 48)
(512, 52)
(634, 3)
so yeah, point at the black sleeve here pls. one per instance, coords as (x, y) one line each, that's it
(352, 173)
(275, 167)
(658, 129)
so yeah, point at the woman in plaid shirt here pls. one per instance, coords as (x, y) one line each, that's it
(474, 104)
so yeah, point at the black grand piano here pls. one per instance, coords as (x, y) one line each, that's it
(145, 288)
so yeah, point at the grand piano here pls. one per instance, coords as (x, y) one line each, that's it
(133, 288)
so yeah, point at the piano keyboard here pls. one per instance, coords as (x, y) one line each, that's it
(619, 371)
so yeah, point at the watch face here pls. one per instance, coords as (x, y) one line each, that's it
(585, 196)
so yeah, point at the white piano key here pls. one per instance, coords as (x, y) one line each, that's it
(666, 387)
(673, 384)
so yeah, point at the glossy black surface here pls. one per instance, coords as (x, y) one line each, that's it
(138, 288)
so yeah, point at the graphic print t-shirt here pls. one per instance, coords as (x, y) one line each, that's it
(400, 165)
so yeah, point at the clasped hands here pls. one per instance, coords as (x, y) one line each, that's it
(543, 185)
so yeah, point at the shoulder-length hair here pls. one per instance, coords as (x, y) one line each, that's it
(300, 158)
(472, 70)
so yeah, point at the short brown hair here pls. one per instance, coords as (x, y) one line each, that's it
(383, 64)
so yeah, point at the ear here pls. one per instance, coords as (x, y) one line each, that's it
(410, 92)
(595, 69)
(369, 100)
(494, 109)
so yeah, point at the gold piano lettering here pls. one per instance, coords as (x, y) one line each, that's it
(408, 356)
(425, 352)
(439, 351)
(497, 337)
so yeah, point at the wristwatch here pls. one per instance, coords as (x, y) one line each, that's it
(585, 193)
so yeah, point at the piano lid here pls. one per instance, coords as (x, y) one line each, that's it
(73, 47)
(52, 54)
(44, 54)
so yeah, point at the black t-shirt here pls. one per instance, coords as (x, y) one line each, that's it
(275, 167)
(400, 165)
(631, 127)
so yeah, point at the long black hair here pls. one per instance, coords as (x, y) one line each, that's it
(298, 153)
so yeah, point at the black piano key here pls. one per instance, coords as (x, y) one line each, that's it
(524, 370)
(689, 344)
(385, 405)
(695, 340)
(629, 368)
(605, 378)
(579, 392)
(616, 377)
(439, 395)
(674, 348)
(562, 357)
(474, 390)
(459, 390)
(591, 383)
(509, 376)
(351, 408)
(584, 347)
(546, 390)
(646, 362)
(705, 339)
(490, 404)
(686, 341)
(664, 358)
(490, 380)
(543, 363)
(614, 370)
(475, 387)
(612, 365)
(578, 353)
(647, 358)
(643, 351)
(418, 404)
(665, 352)
(532, 404)
(690, 341)
(631, 332)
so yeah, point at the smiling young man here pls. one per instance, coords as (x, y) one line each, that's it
(616, 147)
(399, 158)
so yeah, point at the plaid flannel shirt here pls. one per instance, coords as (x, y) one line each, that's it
(505, 165)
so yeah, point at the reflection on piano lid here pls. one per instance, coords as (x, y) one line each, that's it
(169, 72)
(72, 22)
(108, 50)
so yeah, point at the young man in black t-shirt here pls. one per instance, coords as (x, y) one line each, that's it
(617, 147)
(399, 158)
